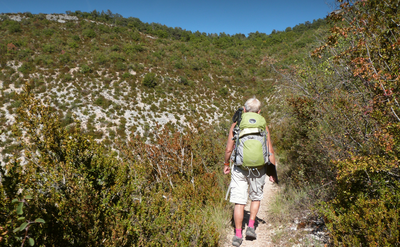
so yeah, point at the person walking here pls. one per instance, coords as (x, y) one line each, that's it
(245, 181)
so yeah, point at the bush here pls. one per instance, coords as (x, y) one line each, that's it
(25, 68)
(65, 58)
(75, 38)
(103, 102)
(121, 66)
(49, 48)
(348, 134)
(183, 80)
(101, 58)
(223, 91)
(178, 65)
(85, 69)
(216, 62)
(67, 77)
(135, 36)
(150, 80)
(89, 197)
(49, 31)
(126, 75)
(115, 48)
(90, 33)
(14, 27)
(73, 45)
(363, 210)
(239, 71)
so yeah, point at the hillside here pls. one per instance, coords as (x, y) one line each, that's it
(120, 76)
(330, 92)
(113, 130)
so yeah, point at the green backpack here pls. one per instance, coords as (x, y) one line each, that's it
(251, 141)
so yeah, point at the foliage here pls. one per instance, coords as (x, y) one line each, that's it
(223, 91)
(26, 223)
(90, 33)
(150, 80)
(14, 27)
(85, 69)
(345, 125)
(86, 195)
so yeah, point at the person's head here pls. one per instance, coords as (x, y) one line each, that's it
(252, 105)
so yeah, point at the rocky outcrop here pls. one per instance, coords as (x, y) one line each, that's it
(17, 17)
(62, 18)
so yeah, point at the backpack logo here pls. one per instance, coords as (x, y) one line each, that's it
(252, 121)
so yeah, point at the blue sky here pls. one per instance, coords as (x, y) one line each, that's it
(207, 16)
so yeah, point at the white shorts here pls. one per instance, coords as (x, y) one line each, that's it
(243, 185)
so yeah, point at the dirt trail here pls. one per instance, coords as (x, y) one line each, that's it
(263, 226)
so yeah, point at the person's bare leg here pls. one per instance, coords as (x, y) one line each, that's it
(254, 207)
(250, 231)
(238, 214)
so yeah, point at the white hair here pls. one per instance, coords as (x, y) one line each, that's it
(252, 105)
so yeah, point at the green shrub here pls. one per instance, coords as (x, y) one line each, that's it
(90, 33)
(67, 119)
(153, 108)
(103, 102)
(116, 56)
(14, 27)
(183, 80)
(138, 48)
(73, 45)
(196, 65)
(234, 53)
(48, 31)
(216, 62)
(135, 36)
(150, 80)
(67, 77)
(101, 58)
(126, 75)
(85, 69)
(223, 91)
(239, 71)
(65, 58)
(76, 38)
(248, 60)
(49, 48)
(26, 53)
(178, 65)
(25, 68)
(115, 48)
(120, 66)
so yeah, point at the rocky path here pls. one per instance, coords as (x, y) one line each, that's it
(263, 226)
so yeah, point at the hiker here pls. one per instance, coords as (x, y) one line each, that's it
(244, 177)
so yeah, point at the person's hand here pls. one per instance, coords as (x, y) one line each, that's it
(272, 179)
(227, 169)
